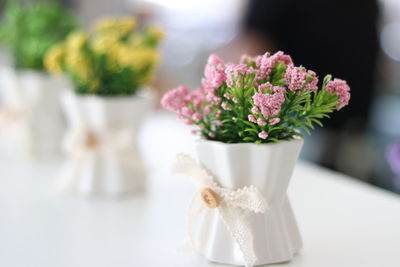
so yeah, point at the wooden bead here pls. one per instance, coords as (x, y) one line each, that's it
(91, 140)
(210, 198)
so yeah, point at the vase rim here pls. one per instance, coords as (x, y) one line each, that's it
(142, 93)
(26, 71)
(219, 143)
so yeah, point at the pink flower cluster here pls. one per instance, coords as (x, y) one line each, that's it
(268, 104)
(298, 78)
(214, 77)
(266, 63)
(229, 90)
(233, 72)
(178, 100)
(341, 88)
(214, 73)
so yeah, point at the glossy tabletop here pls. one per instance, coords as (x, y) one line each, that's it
(343, 222)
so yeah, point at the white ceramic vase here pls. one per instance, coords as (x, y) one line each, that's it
(102, 155)
(269, 167)
(31, 122)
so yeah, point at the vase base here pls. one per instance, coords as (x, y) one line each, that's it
(276, 261)
(95, 182)
(278, 239)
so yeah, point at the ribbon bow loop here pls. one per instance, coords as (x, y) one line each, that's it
(185, 164)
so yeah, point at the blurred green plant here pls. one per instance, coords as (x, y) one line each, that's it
(29, 30)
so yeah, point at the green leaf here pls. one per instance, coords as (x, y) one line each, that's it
(248, 139)
(252, 130)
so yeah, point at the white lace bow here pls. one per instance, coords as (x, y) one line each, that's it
(230, 204)
(82, 139)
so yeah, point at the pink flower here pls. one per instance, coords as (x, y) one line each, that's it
(270, 104)
(184, 103)
(263, 135)
(254, 110)
(188, 122)
(227, 96)
(186, 112)
(261, 122)
(225, 106)
(251, 118)
(211, 134)
(207, 109)
(175, 99)
(218, 113)
(312, 79)
(298, 78)
(279, 89)
(233, 72)
(218, 123)
(342, 89)
(213, 59)
(262, 87)
(281, 57)
(214, 73)
(197, 97)
(216, 100)
(201, 127)
(197, 116)
(266, 63)
(274, 121)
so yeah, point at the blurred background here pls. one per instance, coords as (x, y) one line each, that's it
(356, 40)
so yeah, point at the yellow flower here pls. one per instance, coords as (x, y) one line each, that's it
(54, 58)
(114, 53)
(135, 40)
(103, 43)
(147, 78)
(156, 33)
(78, 64)
(115, 26)
(76, 40)
(138, 58)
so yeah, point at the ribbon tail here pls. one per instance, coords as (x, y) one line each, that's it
(195, 207)
(240, 231)
(67, 182)
(16, 132)
(185, 164)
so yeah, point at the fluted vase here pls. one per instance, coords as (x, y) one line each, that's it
(101, 146)
(269, 167)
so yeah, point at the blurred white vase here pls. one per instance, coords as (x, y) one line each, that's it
(100, 143)
(269, 167)
(31, 122)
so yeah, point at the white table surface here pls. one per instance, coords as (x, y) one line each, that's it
(343, 222)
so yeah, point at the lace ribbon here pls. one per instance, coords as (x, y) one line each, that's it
(85, 147)
(14, 124)
(84, 140)
(230, 204)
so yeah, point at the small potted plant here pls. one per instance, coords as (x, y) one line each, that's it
(249, 116)
(110, 70)
(30, 116)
